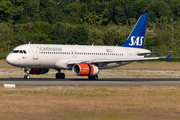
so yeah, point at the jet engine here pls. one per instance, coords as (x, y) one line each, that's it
(85, 69)
(38, 70)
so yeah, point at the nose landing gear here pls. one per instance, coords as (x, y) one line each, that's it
(27, 73)
(26, 77)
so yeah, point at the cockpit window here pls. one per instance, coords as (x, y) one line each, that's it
(24, 51)
(19, 51)
(16, 51)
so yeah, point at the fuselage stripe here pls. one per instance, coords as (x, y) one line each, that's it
(92, 70)
(89, 69)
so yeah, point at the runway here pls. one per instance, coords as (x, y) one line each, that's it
(86, 82)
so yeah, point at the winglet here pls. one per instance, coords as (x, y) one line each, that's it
(168, 57)
(136, 38)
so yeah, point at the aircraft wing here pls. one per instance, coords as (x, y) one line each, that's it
(111, 60)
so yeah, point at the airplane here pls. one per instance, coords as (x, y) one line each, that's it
(83, 60)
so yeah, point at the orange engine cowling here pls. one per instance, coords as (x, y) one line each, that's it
(85, 69)
(38, 70)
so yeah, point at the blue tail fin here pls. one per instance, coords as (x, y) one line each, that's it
(136, 38)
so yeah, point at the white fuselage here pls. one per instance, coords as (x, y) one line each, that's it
(83, 60)
(57, 56)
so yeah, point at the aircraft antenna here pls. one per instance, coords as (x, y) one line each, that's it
(93, 44)
(29, 42)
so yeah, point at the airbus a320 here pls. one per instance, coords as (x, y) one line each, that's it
(83, 60)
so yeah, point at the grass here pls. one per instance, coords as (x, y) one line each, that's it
(91, 103)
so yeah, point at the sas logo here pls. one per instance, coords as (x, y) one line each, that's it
(136, 41)
(110, 50)
(24, 57)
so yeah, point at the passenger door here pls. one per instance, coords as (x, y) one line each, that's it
(35, 53)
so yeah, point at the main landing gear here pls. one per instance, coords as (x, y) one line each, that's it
(27, 73)
(60, 75)
(95, 77)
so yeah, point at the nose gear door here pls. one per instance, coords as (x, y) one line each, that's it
(35, 53)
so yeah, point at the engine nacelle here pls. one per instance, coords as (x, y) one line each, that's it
(38, 70)
(85, 69)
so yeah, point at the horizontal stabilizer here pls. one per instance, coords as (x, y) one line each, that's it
(155, 52)
(168, 57)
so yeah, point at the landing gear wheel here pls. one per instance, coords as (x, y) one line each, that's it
(57, 76)
(95, 77)
(60, 75)
(90, 78)
(26, 77)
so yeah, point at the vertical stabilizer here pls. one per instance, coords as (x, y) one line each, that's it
(136, 38)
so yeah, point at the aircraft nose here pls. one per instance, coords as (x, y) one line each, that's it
(9, 59)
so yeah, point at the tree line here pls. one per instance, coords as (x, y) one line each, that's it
(102, 22)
